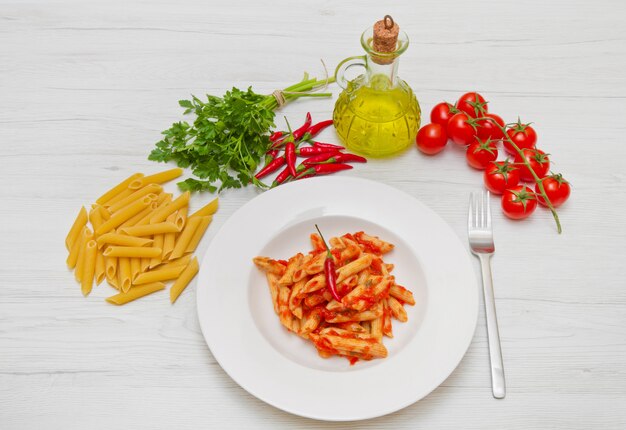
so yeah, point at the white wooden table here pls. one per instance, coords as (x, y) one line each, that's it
(86, 87)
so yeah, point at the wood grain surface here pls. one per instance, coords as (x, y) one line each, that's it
(86, 88)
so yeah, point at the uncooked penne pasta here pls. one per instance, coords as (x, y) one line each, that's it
(89, 267)
(77, 227)
(78, 270)
(95, 217)
(132, 251)
(124, 274)
(150, 229)
(122, 240)
(121, 196)
(158, 243)
(207, 210)
(110, 267)
(185, 237)
(135, 293)
(159, 275)
(119, 217)
(153, 207)
(116, 190)
(137, 195)
(157, 178)
(135, 267)
(72, 258)
(182, 261)
(169, 239)
(145, 264)
(141, 215)
(163, 212)
(100, 268)
(183, 279)
(181, 217)
(113, 282)
(198, 233)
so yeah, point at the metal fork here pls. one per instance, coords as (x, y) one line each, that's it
(480, 235)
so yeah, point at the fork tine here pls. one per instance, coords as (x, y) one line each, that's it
(477, 210)
(470, 212)
(488, 210)
(483, 208)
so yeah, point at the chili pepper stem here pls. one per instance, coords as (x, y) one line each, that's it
(328, 253)
(530, 169)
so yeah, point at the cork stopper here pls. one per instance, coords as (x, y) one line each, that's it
(385, 35)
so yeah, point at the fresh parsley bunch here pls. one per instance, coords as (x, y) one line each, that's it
(228, 138)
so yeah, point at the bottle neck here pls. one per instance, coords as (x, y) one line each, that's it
(382, 74)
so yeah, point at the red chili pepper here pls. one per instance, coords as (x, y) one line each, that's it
(329, 270)
(282, 177)
(336, 158)
(271, 167)
(327, 145)
(322, 169)
(317, 159)
(315, 129)
(290, 156)
(276, 135)
(309, 151)
(297, 134)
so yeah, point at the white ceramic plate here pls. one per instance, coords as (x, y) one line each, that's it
(246, 338)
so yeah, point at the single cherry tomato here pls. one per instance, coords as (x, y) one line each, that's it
(488, 130)
(480, 154)
(557, 189)
(431, 139)
(460, 129)
(472, 104)
(518, 202)
(539, 162)
(442, 113)
(523, 135)
(500, 176)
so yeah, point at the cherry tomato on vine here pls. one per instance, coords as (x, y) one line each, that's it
(472, 104)
(539, 162)
(431, 139)
(442, 112)
(500, 176)
(523, 135)
(518, 202)
(557, 189)
(488, 130)
(481, 153)
(460, 130)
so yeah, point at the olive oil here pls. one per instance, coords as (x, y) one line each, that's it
(377, 121)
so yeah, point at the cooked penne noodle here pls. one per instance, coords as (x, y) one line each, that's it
(124, 274)
(402, 294)
(354, 267)
(268, 265)
(159, 275)
(163, 212)
(78, 270)
(132, 251)
(284, 315)
(181, 217)
(157, 178)
(110, 267)
(183, 279)
(116, 190)
(137, 195)
(295, 302)
(135, 293)
(365, 348)
(119, 217)
(397, 310)
(292, 265)
(77, 227)
(100, 268)
(185, 237)
(122, 240)
(158, 243)
(89, 267)
(198, 233)
(272, 282)
(207, 210)
(387, 327)
(150, 229)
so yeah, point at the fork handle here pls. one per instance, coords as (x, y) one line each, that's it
(495, 353)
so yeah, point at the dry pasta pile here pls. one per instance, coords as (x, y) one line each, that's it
(140, 238)
(370, 297)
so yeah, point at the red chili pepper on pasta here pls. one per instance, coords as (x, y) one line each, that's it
(329, 270)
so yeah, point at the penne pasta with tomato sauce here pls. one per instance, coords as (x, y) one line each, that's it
(354, 326)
